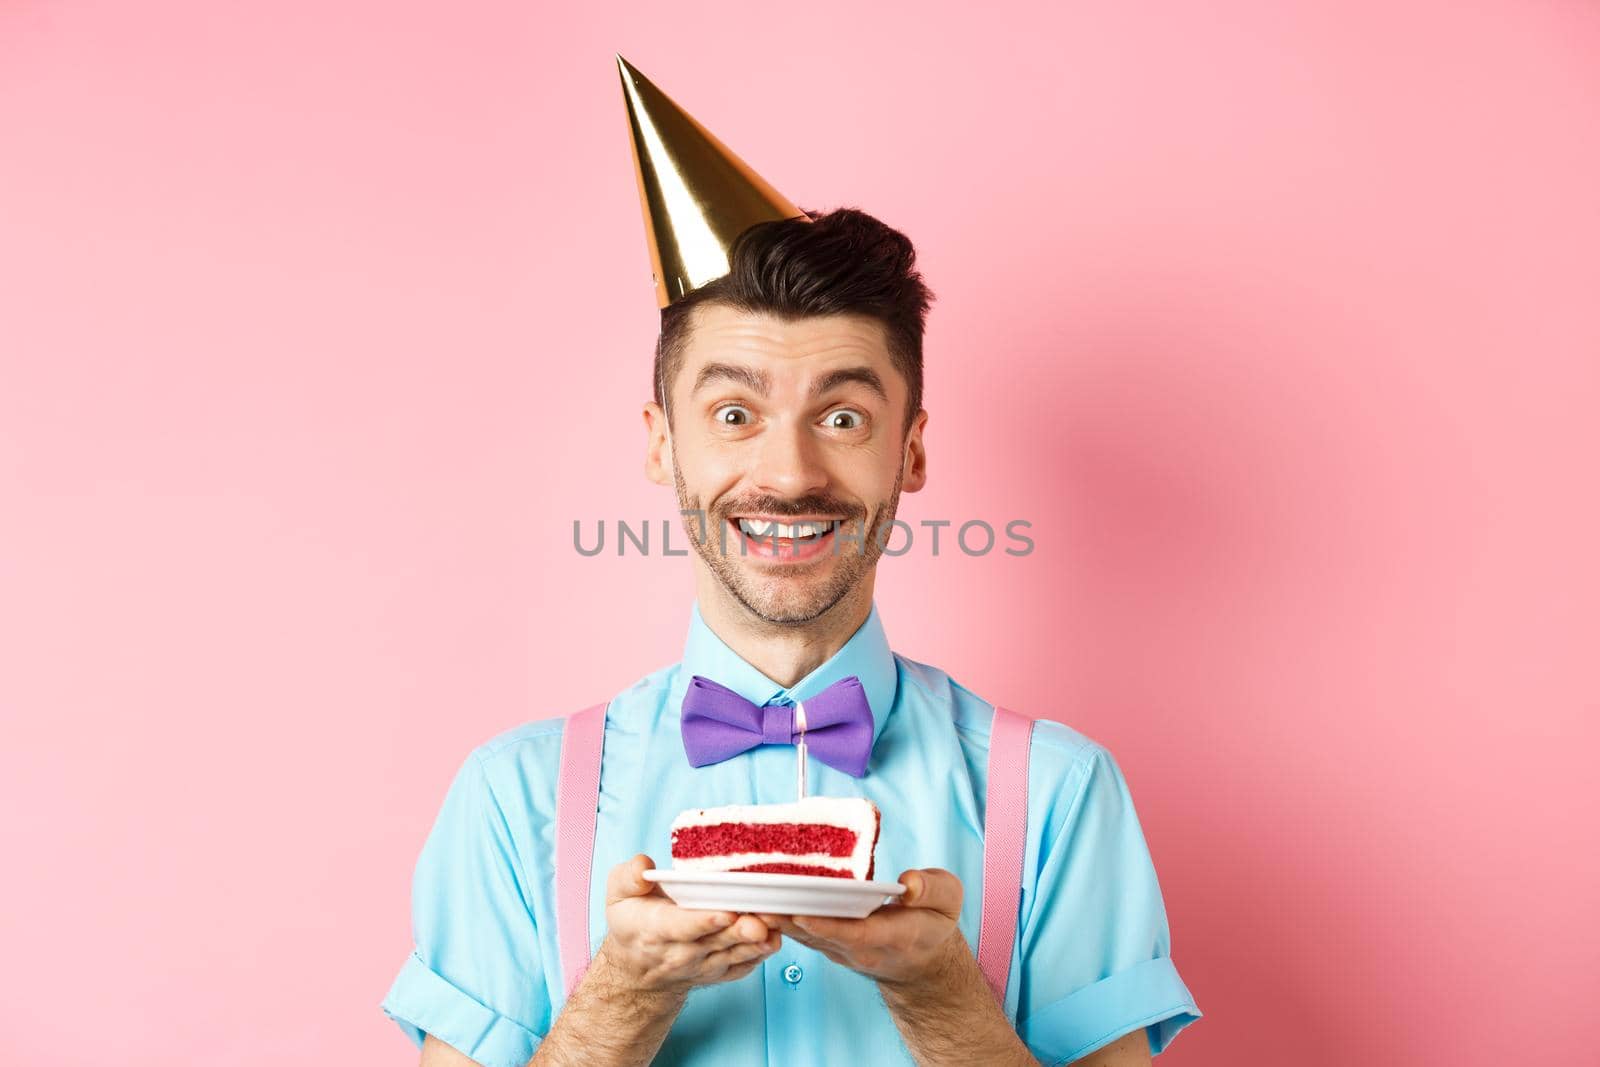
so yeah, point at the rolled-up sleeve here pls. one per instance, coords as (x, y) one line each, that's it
(475, 979)
(1094, 947)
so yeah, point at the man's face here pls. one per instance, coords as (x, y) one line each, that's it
(795, 423)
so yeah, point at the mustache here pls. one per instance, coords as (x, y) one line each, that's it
(808, 505)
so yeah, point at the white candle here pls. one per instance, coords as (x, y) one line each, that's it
(800, 748)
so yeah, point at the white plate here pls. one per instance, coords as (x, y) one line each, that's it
(775, 894)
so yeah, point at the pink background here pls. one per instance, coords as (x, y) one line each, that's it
(321, 323)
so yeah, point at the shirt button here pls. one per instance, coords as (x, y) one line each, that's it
(792, 974)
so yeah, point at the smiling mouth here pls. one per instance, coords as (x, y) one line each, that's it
(791, 541)
(798, 530)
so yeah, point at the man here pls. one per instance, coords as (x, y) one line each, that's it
(788, 389)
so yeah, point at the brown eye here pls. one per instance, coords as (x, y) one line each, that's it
(731, 415)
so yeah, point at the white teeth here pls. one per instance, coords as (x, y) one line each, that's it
(801, 530)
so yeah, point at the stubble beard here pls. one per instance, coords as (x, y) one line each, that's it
(785, 598)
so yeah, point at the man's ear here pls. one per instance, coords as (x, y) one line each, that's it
(658, 445)
(916, 456)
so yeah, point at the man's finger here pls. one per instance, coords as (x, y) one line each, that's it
(822, 928)
(740, 931)
(627, 879)
(784, 923)
(735, 955)
(933, 888)
(686, 924)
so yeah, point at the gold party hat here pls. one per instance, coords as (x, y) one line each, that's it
(697, 195)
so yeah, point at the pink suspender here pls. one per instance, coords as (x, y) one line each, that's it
(577, 807)
(1005, 835)
(1004, 840)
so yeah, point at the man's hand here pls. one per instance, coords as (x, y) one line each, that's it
(898, 944)
(653, 954)
(655, 946)
(927, 974)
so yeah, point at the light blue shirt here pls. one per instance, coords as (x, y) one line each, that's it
(1091, 960)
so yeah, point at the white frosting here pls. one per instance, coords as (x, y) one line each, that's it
(857, 814)
(749, 859)
(849, 812)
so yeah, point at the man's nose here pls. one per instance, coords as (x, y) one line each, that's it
(788, 463)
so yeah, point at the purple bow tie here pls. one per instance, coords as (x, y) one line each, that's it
(719, 724)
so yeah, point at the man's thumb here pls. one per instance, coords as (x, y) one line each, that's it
(915, 885)
(627, 879)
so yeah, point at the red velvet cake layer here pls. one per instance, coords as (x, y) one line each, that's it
(727, 838)
(793, 868)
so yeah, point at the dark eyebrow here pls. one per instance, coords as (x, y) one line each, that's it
(865, 375)
(754, 380)
(759, 382)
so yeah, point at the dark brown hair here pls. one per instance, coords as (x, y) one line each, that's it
(842, 262)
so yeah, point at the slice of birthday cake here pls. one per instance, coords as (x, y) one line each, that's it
(833, 837)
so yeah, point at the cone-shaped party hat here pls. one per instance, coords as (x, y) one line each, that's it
(697, 195)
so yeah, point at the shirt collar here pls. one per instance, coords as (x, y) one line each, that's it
(866, 655)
